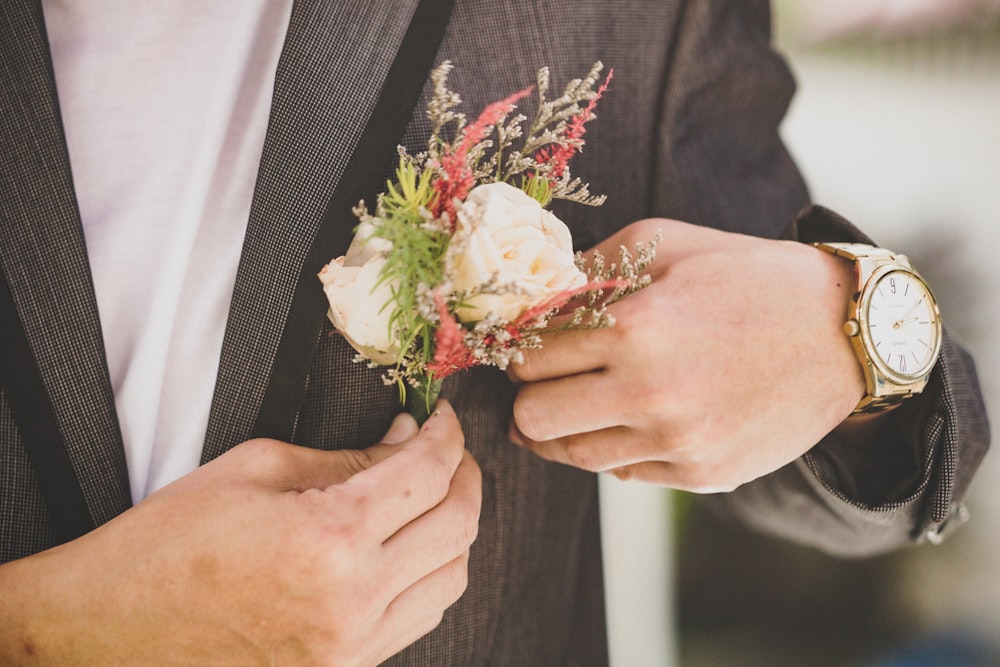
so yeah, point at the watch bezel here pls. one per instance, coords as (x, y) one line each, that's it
(864, 332)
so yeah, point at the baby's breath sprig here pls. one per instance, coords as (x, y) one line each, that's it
(539, 166)
(446, 312)
(630, 271)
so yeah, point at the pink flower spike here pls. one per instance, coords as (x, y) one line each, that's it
(457, 178)
(450, 353)
(488, 118)
(562, 298)
(572, 136)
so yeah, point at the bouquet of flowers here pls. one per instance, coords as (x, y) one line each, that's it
(461, 264)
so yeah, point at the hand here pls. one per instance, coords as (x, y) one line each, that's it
(271, 554)
(729, 365)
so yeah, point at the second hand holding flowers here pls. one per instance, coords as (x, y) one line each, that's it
(461, 264)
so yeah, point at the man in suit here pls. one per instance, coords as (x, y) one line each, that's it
(729, 373)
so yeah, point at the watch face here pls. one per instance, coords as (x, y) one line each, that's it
(902, 325)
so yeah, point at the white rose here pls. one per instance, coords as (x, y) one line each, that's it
(356, 303)
(510, 236)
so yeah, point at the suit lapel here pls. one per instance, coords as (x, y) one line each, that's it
(43, 256)
(335, 59)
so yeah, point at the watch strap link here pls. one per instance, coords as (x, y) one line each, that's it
(862, 251)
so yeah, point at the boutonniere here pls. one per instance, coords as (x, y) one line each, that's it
(462, 264)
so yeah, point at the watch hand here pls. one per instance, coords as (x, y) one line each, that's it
(899, 323)
(910, 311)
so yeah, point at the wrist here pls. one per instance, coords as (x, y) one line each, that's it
(32, 611)
(892, 322)
(851, 379)
(57, 608)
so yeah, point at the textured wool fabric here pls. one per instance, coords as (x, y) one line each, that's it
(687, 130)
(45, 262)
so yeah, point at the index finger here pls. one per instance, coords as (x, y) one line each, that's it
(416, 478)
(564, 353)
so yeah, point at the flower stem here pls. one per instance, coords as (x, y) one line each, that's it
(420, 399)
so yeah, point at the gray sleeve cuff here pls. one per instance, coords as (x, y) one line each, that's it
(905, 485)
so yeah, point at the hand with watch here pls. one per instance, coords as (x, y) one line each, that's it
(893, 323)
(732, 363)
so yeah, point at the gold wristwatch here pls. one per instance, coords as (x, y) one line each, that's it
(893, 323)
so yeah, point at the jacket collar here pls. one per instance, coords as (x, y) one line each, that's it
(335, 60)
(43, 255)
(333, 64)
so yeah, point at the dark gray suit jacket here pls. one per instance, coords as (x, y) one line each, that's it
(689, 130)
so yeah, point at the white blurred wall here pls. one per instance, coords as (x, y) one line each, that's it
(905, 142)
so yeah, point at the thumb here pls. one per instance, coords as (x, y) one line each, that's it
(353, 461)
(403, 427)
(292, 467)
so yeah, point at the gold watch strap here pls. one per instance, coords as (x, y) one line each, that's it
(871, 404)
(869, 259)
(858, 251)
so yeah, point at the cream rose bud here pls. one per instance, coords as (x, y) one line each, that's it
(356, 303)
(510, 236)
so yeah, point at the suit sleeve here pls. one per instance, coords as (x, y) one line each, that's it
(722, 164)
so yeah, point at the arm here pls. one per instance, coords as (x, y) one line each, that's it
(901, 479)
(725, 373)
(270, 553)
(722, 165)
(717, 373)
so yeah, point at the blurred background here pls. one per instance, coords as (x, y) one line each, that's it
(896, 126)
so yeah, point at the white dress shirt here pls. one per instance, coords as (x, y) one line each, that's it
(165, 107)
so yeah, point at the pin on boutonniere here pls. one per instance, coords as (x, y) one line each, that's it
(462, 264)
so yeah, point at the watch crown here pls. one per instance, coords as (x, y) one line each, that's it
(852, 328)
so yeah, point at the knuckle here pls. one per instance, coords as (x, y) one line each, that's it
(704, 478)
(625, 474)
(457, 579)
(341, 560)
(652, 396)
(255, 446)
(630, 332)
(580, 455)
(261, 453)
(357, 460)
(431, 621)
(342, 547)
(467, 528)
(439, 471)
(469, 468)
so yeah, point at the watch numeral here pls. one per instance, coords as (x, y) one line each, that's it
(892, 284)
